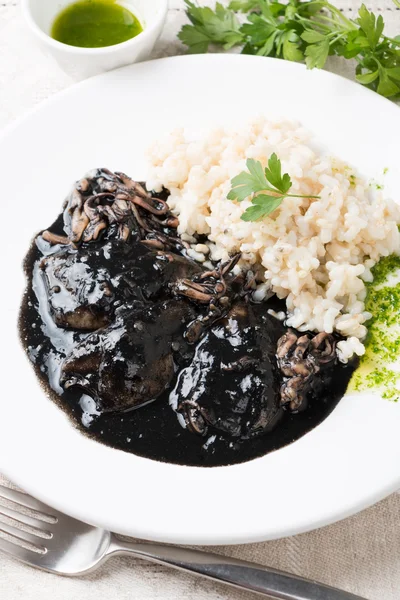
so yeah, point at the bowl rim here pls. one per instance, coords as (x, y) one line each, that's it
(139, 39)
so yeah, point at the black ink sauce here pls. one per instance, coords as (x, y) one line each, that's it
(153, 430)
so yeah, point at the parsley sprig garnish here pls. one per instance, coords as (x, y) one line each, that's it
(309, 31)
(266, 188)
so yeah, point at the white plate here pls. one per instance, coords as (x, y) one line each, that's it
(344, 465)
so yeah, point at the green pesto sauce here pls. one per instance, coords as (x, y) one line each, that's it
(383, 340)
(95, 24)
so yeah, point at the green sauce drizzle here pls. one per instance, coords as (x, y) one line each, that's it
(95, 24)
(383, 340)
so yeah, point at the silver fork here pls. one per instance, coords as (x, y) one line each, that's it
(65, 546)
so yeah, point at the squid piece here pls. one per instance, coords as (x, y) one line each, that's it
(131, 362)
(232, 384)
(300, 359)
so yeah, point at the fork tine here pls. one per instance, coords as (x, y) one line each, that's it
(25, 501)
(27, 556)
(23, 536)
(22, 519)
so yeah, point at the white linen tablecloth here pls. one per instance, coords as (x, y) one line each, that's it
(360, 554)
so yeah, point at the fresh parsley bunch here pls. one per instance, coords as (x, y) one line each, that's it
(265, 187)
(308, 31)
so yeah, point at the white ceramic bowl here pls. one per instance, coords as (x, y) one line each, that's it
(40, 15)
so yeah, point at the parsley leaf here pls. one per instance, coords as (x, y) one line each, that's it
(195, 39)
(386, 86)
(312, 37)
(274, 175)
(244, 5)
(262, 207)
(266, 188)
(219, 27)
(316, 54)
(367, 77)
(290, 49)
(370, 25)
(258, 29)
(245, 184)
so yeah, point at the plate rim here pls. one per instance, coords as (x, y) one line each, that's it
(17, 121)
(370, 499)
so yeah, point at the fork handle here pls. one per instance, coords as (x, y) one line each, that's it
(244, 575)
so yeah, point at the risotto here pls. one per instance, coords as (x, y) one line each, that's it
(317, 254)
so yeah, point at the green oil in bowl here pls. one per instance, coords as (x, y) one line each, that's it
(95, 24)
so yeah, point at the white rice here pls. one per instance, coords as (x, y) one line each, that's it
(315, 253)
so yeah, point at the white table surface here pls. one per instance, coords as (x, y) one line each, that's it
(360, 554)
